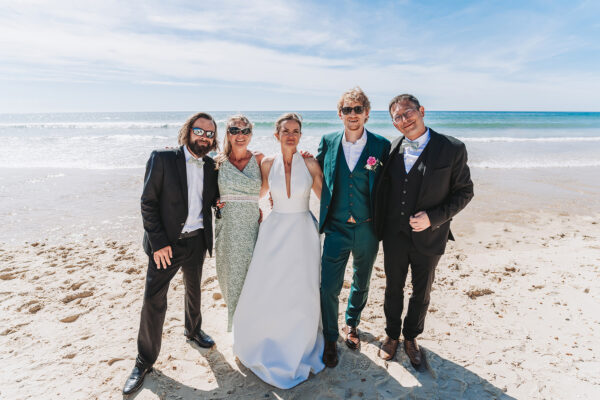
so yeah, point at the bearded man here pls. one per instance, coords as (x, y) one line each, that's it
(180, 186)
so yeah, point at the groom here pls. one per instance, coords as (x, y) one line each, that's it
(180, 186)
(424, 183)
(351, 161)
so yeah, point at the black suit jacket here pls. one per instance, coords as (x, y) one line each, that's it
(445, 190)
(165, 199)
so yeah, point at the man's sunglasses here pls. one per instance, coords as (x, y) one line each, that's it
(202, 132)
(357, 110)
(234, 130)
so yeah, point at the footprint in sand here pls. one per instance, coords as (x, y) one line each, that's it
(35, 308)
(114, 360)
(478, 293)
(208, 280)
(13, 329)
(70, 319)
(75, 296)
(77, 285)
(30, 305)
(7, 277)
(350, 362)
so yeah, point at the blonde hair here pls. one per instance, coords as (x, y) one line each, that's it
(355, 94)
(288, 117)
(184, 133)
(224, 155)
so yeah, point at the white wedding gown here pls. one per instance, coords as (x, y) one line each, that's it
(277, 322)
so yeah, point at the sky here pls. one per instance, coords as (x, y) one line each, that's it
(78, 56)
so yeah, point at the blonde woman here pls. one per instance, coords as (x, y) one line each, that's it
(236, 231)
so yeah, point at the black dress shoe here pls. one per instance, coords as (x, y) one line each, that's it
(330, 357)
(202, 339)
(136, 379)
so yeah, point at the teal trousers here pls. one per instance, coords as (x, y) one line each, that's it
(342, 239)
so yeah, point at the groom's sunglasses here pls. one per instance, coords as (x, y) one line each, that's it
(234, 130)
(357, 110)
(202, 132)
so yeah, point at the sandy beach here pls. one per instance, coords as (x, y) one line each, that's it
(514, 311)
(91, 89)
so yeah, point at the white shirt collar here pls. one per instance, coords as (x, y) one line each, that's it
(361, 141)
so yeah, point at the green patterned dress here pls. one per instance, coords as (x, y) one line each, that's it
(237, 229)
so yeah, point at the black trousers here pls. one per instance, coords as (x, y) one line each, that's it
(188, 254)
(398, 254)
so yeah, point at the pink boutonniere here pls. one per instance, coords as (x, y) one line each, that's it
(372, 163)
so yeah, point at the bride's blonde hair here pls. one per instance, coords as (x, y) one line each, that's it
(288, 117)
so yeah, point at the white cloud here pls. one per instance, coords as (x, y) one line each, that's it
(283, 46)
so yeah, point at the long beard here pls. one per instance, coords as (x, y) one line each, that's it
(199, 149)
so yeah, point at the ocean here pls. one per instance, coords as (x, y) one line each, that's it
(75, 176)
(98, 141)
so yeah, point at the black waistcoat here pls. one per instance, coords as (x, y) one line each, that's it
(404, 192)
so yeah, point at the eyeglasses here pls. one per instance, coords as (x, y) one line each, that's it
(202, 132)
(405, 115)
(357, 110)
(234, 130)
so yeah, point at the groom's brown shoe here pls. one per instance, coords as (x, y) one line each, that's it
(352, 339)
(388, 348)
(330, 357)
(412, 350)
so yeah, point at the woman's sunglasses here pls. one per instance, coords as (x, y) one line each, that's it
(234, 130)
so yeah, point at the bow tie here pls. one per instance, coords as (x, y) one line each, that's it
(197, 161)
(408, 145)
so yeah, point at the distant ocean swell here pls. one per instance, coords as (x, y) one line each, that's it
(495, 140)
(483, 125)
(150, 138)
(538, 140)
(85, 165)
(331, 125)
(91, 125)
(532, 165)
(326, 126)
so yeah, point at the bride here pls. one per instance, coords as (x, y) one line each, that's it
(277, 322)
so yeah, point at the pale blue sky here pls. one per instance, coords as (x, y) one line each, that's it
(285, 55)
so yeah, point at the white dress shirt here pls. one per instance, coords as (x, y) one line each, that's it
(195, 184)
(411, 155)
(352, 151)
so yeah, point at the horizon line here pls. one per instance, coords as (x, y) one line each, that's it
(297, 111)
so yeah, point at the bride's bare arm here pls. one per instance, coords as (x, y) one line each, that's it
(315, 170)
(265, 168)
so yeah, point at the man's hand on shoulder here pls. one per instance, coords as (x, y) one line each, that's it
(306, 154)
(163, 257)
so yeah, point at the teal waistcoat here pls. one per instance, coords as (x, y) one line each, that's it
(351, 192)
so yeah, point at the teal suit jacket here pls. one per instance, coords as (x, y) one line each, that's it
(330, 149)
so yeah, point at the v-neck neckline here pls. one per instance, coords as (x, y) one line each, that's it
(291, 172)
(245, 166)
